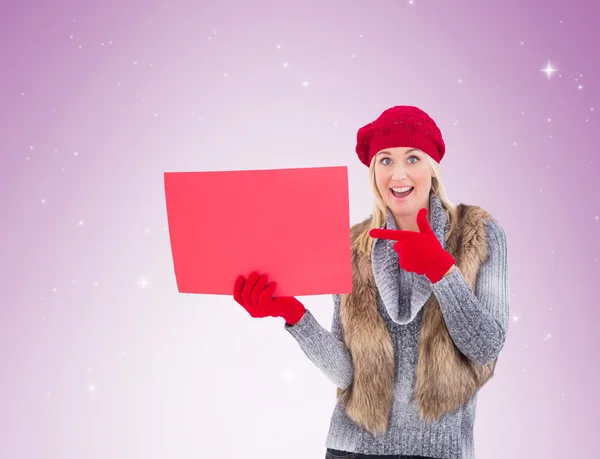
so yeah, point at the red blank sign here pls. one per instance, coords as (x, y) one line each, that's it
(291, 224)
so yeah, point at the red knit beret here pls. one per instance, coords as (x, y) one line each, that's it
(400, 126)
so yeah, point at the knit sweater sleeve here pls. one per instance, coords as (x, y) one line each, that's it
(325, 349)
(478, 321)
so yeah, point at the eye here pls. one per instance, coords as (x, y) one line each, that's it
(385, 159)
(416, 157)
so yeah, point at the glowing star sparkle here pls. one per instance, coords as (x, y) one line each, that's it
(143, 283)
(549, 70)
(289, 375)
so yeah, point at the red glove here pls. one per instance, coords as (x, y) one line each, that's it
(419, 252)
(254, 295)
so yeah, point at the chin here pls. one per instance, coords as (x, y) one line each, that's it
(403, 210)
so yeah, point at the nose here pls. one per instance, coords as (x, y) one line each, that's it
(399, 173)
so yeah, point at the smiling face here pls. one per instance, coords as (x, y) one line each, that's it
(395, 170)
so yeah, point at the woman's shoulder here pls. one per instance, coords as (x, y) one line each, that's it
(495, 232)
(475, 214)
(358, 228)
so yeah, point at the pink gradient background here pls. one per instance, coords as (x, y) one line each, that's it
(102, 358)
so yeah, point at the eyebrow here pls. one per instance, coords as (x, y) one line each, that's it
(385, 152)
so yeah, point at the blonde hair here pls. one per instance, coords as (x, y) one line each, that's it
(364, 242)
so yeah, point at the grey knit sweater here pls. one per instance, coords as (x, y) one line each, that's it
(476, 323)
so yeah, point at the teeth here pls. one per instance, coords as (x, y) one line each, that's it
(402, 190)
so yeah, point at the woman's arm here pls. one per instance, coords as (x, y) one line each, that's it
(325, 349)
(478, 322)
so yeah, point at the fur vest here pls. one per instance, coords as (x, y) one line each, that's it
(445, 378)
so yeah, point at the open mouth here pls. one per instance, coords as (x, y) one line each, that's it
(401, 194)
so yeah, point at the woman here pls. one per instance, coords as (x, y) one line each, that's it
(421, 332)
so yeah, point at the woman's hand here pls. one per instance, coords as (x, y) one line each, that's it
(255, 295)
(419, 252)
